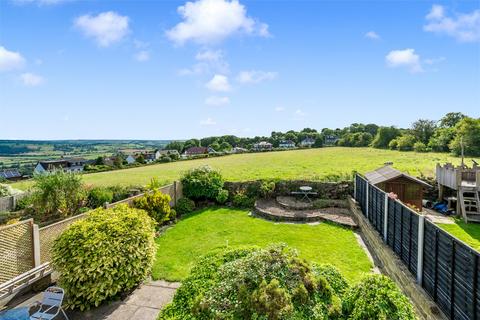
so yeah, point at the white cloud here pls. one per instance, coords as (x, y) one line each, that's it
(372, 35)
(106, 28)
(255, 76)
(404, 58)
(31, 80)
(208, 61)
(279, 109)
(208, 122)
(431, 61)
(463, 27)
(211, 21)
(10, 60)
(142, 56)
(217, 101)
(218, 83)
(299, 113)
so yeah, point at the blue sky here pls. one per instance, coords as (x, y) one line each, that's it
(171, 69)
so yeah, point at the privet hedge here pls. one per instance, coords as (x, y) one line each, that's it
(107, 253)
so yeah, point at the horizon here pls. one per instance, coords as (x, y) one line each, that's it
(79, 70)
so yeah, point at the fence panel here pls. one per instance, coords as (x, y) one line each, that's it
(9, 203)
(361, 192)
(376, 208)
(16, 249)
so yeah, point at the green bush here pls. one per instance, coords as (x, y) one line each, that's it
(4, 191)
(376, 297)
(156, 204)
(420, 147)
(120, 192)
(336, 280)
(109, 252)
(57, 195)
(272, 283)
(98, 196)
(184, 206)
(241, 200)
(202, 183)
(267, 189)
(222, 196)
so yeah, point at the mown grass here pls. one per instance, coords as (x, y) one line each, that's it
(312, 164)
(467, 232)
(212, 228)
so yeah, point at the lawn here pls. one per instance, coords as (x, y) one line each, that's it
(213, 228)
(313, 164)
(467, 232)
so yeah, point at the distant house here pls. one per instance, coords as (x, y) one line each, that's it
(331, 140)
(169, 153)
(262, 145)
(64, 164)
(130, 159)
(211, 150)
(193, 151)
(238, 150)
(286, 144)
(307, 142)
(150, 156)
(10, 174)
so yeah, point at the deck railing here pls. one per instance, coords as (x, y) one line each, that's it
(452, 177)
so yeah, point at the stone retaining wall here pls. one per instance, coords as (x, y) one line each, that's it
(390, 265)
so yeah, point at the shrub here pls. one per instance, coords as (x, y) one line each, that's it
(240, 199)
(272, 283)
(184, 206)
(156, 204)
(267, 188)
(120, 192)
(103, 255)
(202, 183)
(336, 280)
(420, 147)
(406, 142)
(4, 191)
(222, 196)
(98, 196)
(57, 194)
(376, 297)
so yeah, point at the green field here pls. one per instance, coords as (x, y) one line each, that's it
(467, 232)
(212, 228)
(313, 164)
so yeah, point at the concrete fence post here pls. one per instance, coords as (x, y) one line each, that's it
(366, 202)
(421, 232)
(385, 219)
(175, 192)
(36, 246)
(355, 187)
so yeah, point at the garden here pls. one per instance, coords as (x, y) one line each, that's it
(231, 262)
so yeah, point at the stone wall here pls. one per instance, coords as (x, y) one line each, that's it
(326, 190)
(390, 265)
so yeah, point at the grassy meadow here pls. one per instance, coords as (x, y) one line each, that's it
(312, 164)
(208, 229)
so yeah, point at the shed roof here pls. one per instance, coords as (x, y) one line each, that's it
(387, 173)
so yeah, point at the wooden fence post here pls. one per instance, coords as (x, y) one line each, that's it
(421, 232)
(385, 219)
(36, 245)
(355, 187)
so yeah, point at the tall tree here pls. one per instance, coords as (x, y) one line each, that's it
(451, 119)
(424, 129)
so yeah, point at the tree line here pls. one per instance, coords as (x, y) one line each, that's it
(445, 135)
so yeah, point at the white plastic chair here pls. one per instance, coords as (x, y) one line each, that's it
(51, 305)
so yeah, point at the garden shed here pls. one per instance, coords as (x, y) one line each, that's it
(408, 189)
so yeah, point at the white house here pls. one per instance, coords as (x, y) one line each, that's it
(262, 145)
(238, 150)
(331, 140)
(286, 144)
(130, 159)
(307, 142)
(67, 165)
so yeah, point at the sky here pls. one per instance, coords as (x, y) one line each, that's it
(124, 69)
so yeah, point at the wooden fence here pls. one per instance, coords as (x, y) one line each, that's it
(24, 246)
(443, 265)
(9, 203)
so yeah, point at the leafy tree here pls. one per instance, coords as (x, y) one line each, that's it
(118, 161)
(175, 145)
(191, 143)
(140, 159)
(468, 131)
(451, 119)
(424, 129)
(384, 136)
(441, 139)
(225, 146)
(406, 142)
